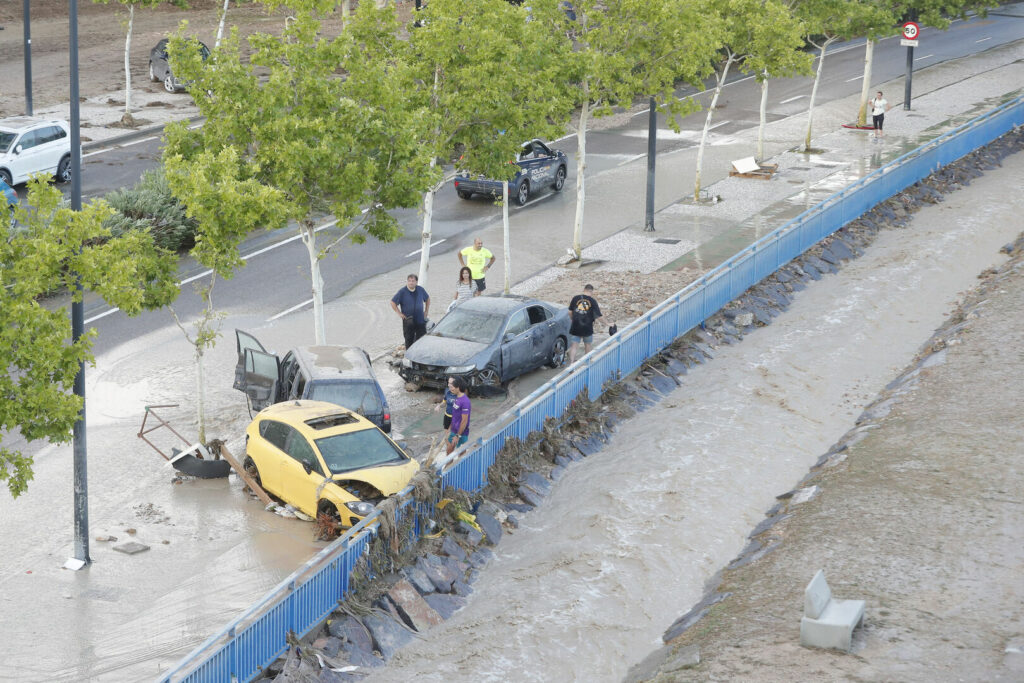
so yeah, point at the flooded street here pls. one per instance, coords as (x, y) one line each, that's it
(627, 539)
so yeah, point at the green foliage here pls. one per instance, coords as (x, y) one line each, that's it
(150, 206)
(285, 140)
(49, 247)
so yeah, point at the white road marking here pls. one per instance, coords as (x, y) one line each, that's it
(290, 310)
(631, 159)
(718, 125)
(918, 59)
(792, 99)
(983, 40)
(135, 142)
(702, 92)
(855, 78)
(432, 244)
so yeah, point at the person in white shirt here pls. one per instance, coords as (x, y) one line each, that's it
(878, 108)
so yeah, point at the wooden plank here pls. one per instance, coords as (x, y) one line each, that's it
(249, 481)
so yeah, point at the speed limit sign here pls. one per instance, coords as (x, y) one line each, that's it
(910, 30)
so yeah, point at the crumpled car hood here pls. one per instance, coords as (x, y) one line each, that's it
(388, 479)
(433, 350)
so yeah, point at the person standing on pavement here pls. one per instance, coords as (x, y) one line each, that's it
(878, 108)
(479, 261)
(584, 312)
(447, 400)
(458, 433)
(466, 288)
(412, 304)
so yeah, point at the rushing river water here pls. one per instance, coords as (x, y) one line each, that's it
(627, 539)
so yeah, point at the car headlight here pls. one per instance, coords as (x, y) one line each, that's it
(459, 369)
(360, 507)
(406, 363)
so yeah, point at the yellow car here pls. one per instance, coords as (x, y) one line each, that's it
(325, 459)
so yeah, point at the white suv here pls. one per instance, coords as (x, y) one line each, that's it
(31, 145)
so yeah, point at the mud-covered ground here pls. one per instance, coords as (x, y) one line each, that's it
(920, 515)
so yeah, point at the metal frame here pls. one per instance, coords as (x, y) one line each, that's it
(300, 602)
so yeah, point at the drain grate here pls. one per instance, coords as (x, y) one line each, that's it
(665, 240)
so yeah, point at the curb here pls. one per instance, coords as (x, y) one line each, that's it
(133, 135)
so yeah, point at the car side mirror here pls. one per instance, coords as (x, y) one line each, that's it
(509, 337)
(305, 466)
(18, 149)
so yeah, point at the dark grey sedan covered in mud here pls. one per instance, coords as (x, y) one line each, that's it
(489, 340)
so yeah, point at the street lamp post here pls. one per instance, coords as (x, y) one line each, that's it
(27, 21)
(77, 310)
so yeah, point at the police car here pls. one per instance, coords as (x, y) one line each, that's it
(539, 167)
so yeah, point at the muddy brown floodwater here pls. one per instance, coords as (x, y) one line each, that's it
(627, 539)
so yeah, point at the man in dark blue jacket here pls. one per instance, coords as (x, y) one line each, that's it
(412, 304)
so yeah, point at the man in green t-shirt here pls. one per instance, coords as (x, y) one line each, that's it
(478, 260)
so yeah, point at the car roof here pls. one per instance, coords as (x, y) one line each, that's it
(19, 123)
(299, 414)
(502, 303)
(335, 362)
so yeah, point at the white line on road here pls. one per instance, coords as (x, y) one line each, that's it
(135, 142)
(204, 273)
(918, 59)
(290, 310)
(855, 78)
(432, 244)
(792, 99)
(702, 92)
(718, 125)
(983, 40)
(631, 159)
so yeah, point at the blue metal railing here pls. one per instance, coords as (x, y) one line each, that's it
(308, 595)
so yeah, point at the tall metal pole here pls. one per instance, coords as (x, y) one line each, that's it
(27, 21)
(652, 148)
(77, 309)
(910, 77)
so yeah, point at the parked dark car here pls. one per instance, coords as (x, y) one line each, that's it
(341, 375)
(489, 340)
(160, 68)
(539, 166)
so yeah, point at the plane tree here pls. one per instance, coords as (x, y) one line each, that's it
(131, 5)
(51, 249)
(299, 131)
(484, 77)
(755, 33)
(626, 49)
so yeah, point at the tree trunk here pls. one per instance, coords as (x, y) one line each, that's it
(220, 24)
(200, 394)
(814, 93)
(428, 212)
(308, 232)
(127, 63)
(346, 12)
(505, 237)
(581, 167)
(720, 81)
(865, 86)
(764, 109)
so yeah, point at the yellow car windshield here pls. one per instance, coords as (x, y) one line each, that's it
(358, 450)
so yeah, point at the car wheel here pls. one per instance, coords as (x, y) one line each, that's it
(169, 83)
(557, 353)
(64, 169)
(152, 74)
(464, 194)
(328, 521)
(488, 377)
(523, 193)
(249, 465)
(559, 179)
(5, 175)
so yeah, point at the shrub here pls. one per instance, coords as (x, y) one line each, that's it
(149, 205)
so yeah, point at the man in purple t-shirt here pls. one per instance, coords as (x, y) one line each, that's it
(458, 433)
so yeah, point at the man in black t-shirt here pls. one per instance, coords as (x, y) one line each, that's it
(584, 312)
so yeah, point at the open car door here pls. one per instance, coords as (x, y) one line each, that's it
(257, 373)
